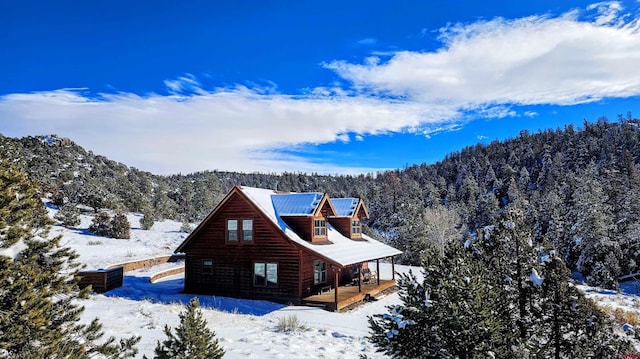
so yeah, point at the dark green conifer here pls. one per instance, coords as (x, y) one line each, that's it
(101, 224)
(39, 313)
(192, 338)
(68, 215)
(147, 221)
(120, 227)
(450, 314)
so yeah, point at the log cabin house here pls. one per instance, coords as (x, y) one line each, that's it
(301, 248)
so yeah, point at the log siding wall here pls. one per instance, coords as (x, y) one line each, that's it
(232, 271)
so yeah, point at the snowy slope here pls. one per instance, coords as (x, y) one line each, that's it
(246, 329)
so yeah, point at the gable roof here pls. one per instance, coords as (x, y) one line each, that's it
(340, 250)
(349, 207)
(300, 204)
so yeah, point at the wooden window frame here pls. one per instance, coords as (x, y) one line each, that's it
(319, 230)
(228, 231)
(264, 266)
(356, 226)
(319, 272)
(250, 232)
(207, 266)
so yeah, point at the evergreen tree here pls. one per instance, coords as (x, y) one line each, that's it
(192, 338)
(597, 252)
(68, 215)
(21, 210)
(101, 224)
(120, 227)
(450, 314)
(508, 248)
(147, 221)
(39, 314)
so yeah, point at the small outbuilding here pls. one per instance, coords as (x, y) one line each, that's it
(101, 280)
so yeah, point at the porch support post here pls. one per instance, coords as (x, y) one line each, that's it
(378, 271)
(359, 277)
(335, 284)
(393, 268)
(300, 295)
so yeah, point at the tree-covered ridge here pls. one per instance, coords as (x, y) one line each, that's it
(580, 189)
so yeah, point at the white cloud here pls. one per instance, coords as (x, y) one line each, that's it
(608, 12)
(235, 129)
(484, 69)
(534, 60)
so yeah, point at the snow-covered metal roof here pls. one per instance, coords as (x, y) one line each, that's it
(345, 207)
(295, 204)
(340, 249)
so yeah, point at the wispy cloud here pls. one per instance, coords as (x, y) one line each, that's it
(237, 129)
(483, 69)
(367, 41)
(534, 60)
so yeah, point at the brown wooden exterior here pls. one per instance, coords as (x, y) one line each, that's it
(102, 280)
(231, 272)
(344, 224)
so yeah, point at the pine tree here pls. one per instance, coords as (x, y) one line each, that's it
(592, 229)
(39, 313)
(101, 224)
(450, 314)
(120, 227)
(147, 221)
(192, 338)
(68, 215)
(21, 210)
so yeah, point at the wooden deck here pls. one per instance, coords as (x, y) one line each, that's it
(347, 295)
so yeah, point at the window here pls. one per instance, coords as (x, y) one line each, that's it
(265, 274)
(207, 265)
(319, 272)
(356, 227)
(319, 227)
(232, 229)
(247, 229)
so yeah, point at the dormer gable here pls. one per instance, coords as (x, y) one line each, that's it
(305, 213)
(349, 215)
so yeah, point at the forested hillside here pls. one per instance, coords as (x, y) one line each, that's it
(578, 188)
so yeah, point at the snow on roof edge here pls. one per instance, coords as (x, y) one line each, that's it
(342, 250)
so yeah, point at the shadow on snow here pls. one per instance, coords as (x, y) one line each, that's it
(170, 292)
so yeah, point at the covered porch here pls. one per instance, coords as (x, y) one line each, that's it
(367, 282)
(347, 295)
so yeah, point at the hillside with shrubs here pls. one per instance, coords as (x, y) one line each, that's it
(578, 188)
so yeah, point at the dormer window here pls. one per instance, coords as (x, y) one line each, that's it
(356, 226)
(319, 228)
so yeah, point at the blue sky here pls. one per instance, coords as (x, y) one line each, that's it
(326, 87)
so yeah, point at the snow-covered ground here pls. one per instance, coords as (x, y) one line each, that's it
(245, 328)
